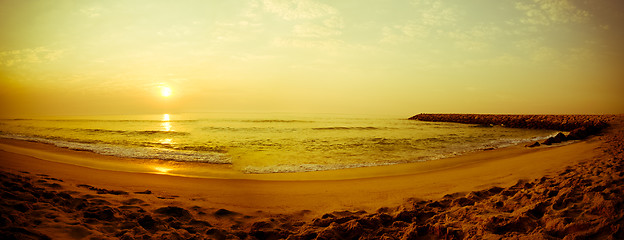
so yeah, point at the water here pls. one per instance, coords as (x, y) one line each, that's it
(267, 143)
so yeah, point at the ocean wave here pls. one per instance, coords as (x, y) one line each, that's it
(102, 120)
(232, 128)
(277, 121)
(122, 132)
(132, 152)
(442, 152)
(346, 128)
(193, 148)
(292, 168)
(482, 126)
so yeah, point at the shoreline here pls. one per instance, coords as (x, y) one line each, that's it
(304, 204)
(91, 160)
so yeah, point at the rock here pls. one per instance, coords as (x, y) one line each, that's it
(560, 137)
(556, 139)
(549, 141)
(535, 144)
(579, 133)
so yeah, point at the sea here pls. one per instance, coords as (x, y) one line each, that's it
(262, 143)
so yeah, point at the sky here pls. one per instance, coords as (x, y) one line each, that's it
(311, 56)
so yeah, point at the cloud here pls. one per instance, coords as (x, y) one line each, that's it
(528, 44)
(245, 57)
(91, 12)
(314, 31)
(325, 44)
(29, 55)
(314, 25)
(429, 18)
(176, 31)
(477, 37)
(545, 54)
(568, 57)
(497, 61)
(244, 26)
(433, 13)
(548, 12)
(404, 33)
(330, 26)
(298, 9)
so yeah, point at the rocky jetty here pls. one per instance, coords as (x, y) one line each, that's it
(554, 122)
(579, 126)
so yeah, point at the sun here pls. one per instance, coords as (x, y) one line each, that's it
(165, 91)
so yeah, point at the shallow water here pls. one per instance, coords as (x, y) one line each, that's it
(268, 143)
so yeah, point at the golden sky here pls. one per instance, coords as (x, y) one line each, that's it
(365, 56)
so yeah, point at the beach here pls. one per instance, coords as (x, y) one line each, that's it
(570, 189)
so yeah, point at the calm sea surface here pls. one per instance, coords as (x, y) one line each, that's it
(267, 143)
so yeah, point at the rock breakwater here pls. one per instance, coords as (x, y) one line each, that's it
(554, 122)
(579, 126)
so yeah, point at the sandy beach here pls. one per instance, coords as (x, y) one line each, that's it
(562, 190)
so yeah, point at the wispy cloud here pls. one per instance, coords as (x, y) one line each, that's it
(175, 31)
(247, 23)
(428, 19)
(29, 55)
(435, 13)
(298, 9)
(407, 32)
(547, 12)
(91, 12)
(314, 31)
(330, 26)
(477, 37)
(313, 24)
(325, 44)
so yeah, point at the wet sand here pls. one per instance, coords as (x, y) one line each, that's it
(543, 192)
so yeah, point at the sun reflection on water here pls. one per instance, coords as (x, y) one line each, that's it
(162, 170)
(166, 141)
(166, 125)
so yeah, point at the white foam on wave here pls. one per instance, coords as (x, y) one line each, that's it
(511, 142)
(434, 155)
(132, 152)
(288, 168)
